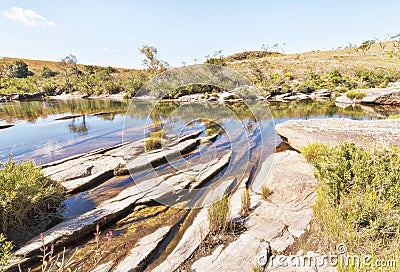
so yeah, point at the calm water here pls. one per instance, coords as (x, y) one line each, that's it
(38, 134)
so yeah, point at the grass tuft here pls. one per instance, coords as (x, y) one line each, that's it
(265, 192)
(245, 199)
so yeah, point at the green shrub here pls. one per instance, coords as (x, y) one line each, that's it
(27, 195)
(153, 143)
(355, 94)
(357, 195)
(155, 140)
(5, 251)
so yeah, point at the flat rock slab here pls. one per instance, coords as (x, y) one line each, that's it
(385, 96)
(141, 254)
(300, 133)
(381, 96)
(112, 209)
(84, 171)
(272, 225)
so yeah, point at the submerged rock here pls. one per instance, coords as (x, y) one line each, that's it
(6, 126)
(84, 171)
(144, 250)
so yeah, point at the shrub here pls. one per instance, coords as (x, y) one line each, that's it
(355, 94)
(357, 196)
(27, 195)
(289, 75)
(47, 72)
(153, 143)
(18, 69)
(155, 140)
(5, 251)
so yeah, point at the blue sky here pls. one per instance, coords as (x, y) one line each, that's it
(110, 32)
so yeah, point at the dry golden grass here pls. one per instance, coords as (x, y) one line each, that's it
(323, 61)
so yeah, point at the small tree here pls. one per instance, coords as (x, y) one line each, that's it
(18, 69)
(151, 61)
(69, 67)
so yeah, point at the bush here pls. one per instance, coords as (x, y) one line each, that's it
(357, 195)
(355, 94)
(5, 251)
(47, 72)
(153, 143)
(27, 195)
(18, 69)
(154, 140)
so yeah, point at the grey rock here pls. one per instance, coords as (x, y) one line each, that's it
(300, 133)
(387, 96)
(343, 99)
(271, 225)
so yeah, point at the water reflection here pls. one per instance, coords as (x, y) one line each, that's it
(38, 135)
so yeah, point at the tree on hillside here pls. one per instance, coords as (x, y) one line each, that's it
(18, 69)
(47, 72)
(69, 67)
(365, 46)
(151, 61)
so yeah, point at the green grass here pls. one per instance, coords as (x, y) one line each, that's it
(245, 203)
(27, 196)
(358, 200)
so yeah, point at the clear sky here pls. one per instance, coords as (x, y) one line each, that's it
(110, 32)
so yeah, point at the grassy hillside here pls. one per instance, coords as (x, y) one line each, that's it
(340, 70)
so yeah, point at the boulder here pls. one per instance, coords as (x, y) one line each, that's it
(300, 133)
(343, 99)
(387, 96)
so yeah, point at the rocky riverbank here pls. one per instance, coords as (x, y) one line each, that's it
(300, 133)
